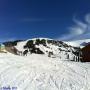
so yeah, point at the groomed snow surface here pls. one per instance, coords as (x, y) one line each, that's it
(39, 72)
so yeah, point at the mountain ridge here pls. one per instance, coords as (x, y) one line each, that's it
(49, 47)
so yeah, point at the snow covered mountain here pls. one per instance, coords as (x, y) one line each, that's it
(47, 66)
(49, 47)
(78, 43)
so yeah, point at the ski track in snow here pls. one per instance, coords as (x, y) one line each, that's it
(39, 72)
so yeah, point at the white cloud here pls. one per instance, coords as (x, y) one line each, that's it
(80, 30)
(87, 18)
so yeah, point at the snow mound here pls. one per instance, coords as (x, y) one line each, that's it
(39, 72)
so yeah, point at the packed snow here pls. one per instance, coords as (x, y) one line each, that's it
(39, 72)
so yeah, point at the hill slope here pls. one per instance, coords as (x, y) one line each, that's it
(48, 47)
(39, 72)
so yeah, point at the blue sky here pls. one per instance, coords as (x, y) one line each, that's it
(57, 19)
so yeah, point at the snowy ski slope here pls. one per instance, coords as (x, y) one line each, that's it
(39, 72)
